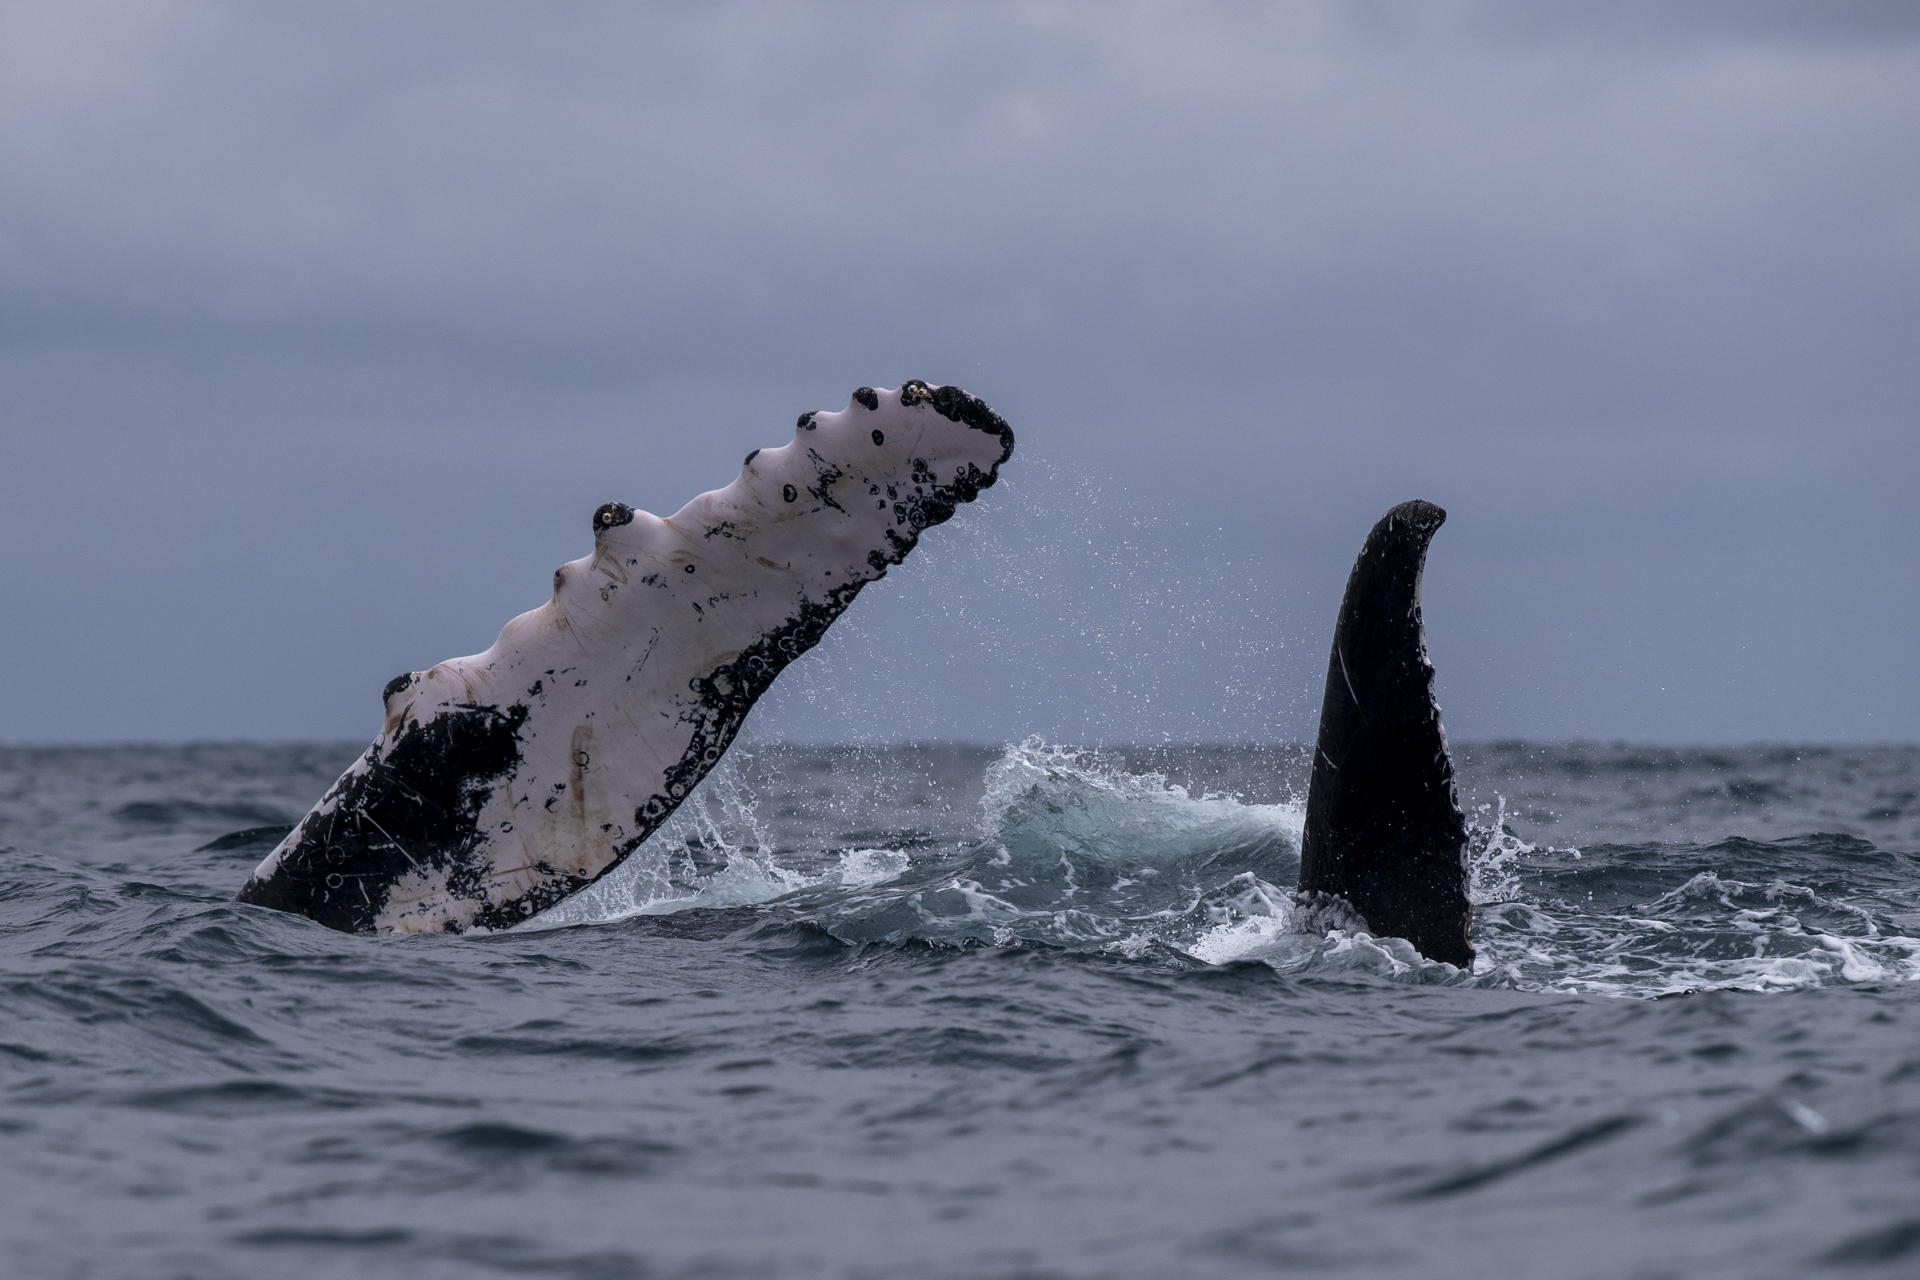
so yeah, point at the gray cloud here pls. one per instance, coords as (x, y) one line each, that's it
(322, 331)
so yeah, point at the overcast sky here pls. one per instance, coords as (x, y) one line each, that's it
(323, 330)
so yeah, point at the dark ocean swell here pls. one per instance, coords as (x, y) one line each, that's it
(954, 1012)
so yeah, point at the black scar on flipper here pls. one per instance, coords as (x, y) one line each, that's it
(1384, 829)
(828, 475)
(867, 397)
(416, 807)
(396, 685)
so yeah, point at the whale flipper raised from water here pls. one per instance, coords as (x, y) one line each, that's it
(1384, 832)
(503, 782)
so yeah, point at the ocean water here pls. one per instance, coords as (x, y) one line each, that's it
(956, 1012)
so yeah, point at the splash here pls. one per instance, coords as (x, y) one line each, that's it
(1072, 849)
(1247, 919)
(1495, 854)
(717, 852)
(1075, 606)
(1710, 932)
(713, 852)
(1085, 804)
(1077, 850)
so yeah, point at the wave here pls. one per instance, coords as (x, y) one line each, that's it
(1074, 850)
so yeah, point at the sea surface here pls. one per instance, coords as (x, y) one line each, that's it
(1022, 1011)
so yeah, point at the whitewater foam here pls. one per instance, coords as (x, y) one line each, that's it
(1072, 848)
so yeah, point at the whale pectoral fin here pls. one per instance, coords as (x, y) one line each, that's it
(1384, 832)
(506, 781)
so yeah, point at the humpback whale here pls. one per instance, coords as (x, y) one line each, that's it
(1385, 839)
(503, 782)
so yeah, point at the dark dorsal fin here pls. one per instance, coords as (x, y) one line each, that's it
(1384, 831)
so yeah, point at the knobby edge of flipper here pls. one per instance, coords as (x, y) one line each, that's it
(505, 781)
(1385, 842)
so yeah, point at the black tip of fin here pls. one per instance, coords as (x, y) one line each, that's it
(1384, 830)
